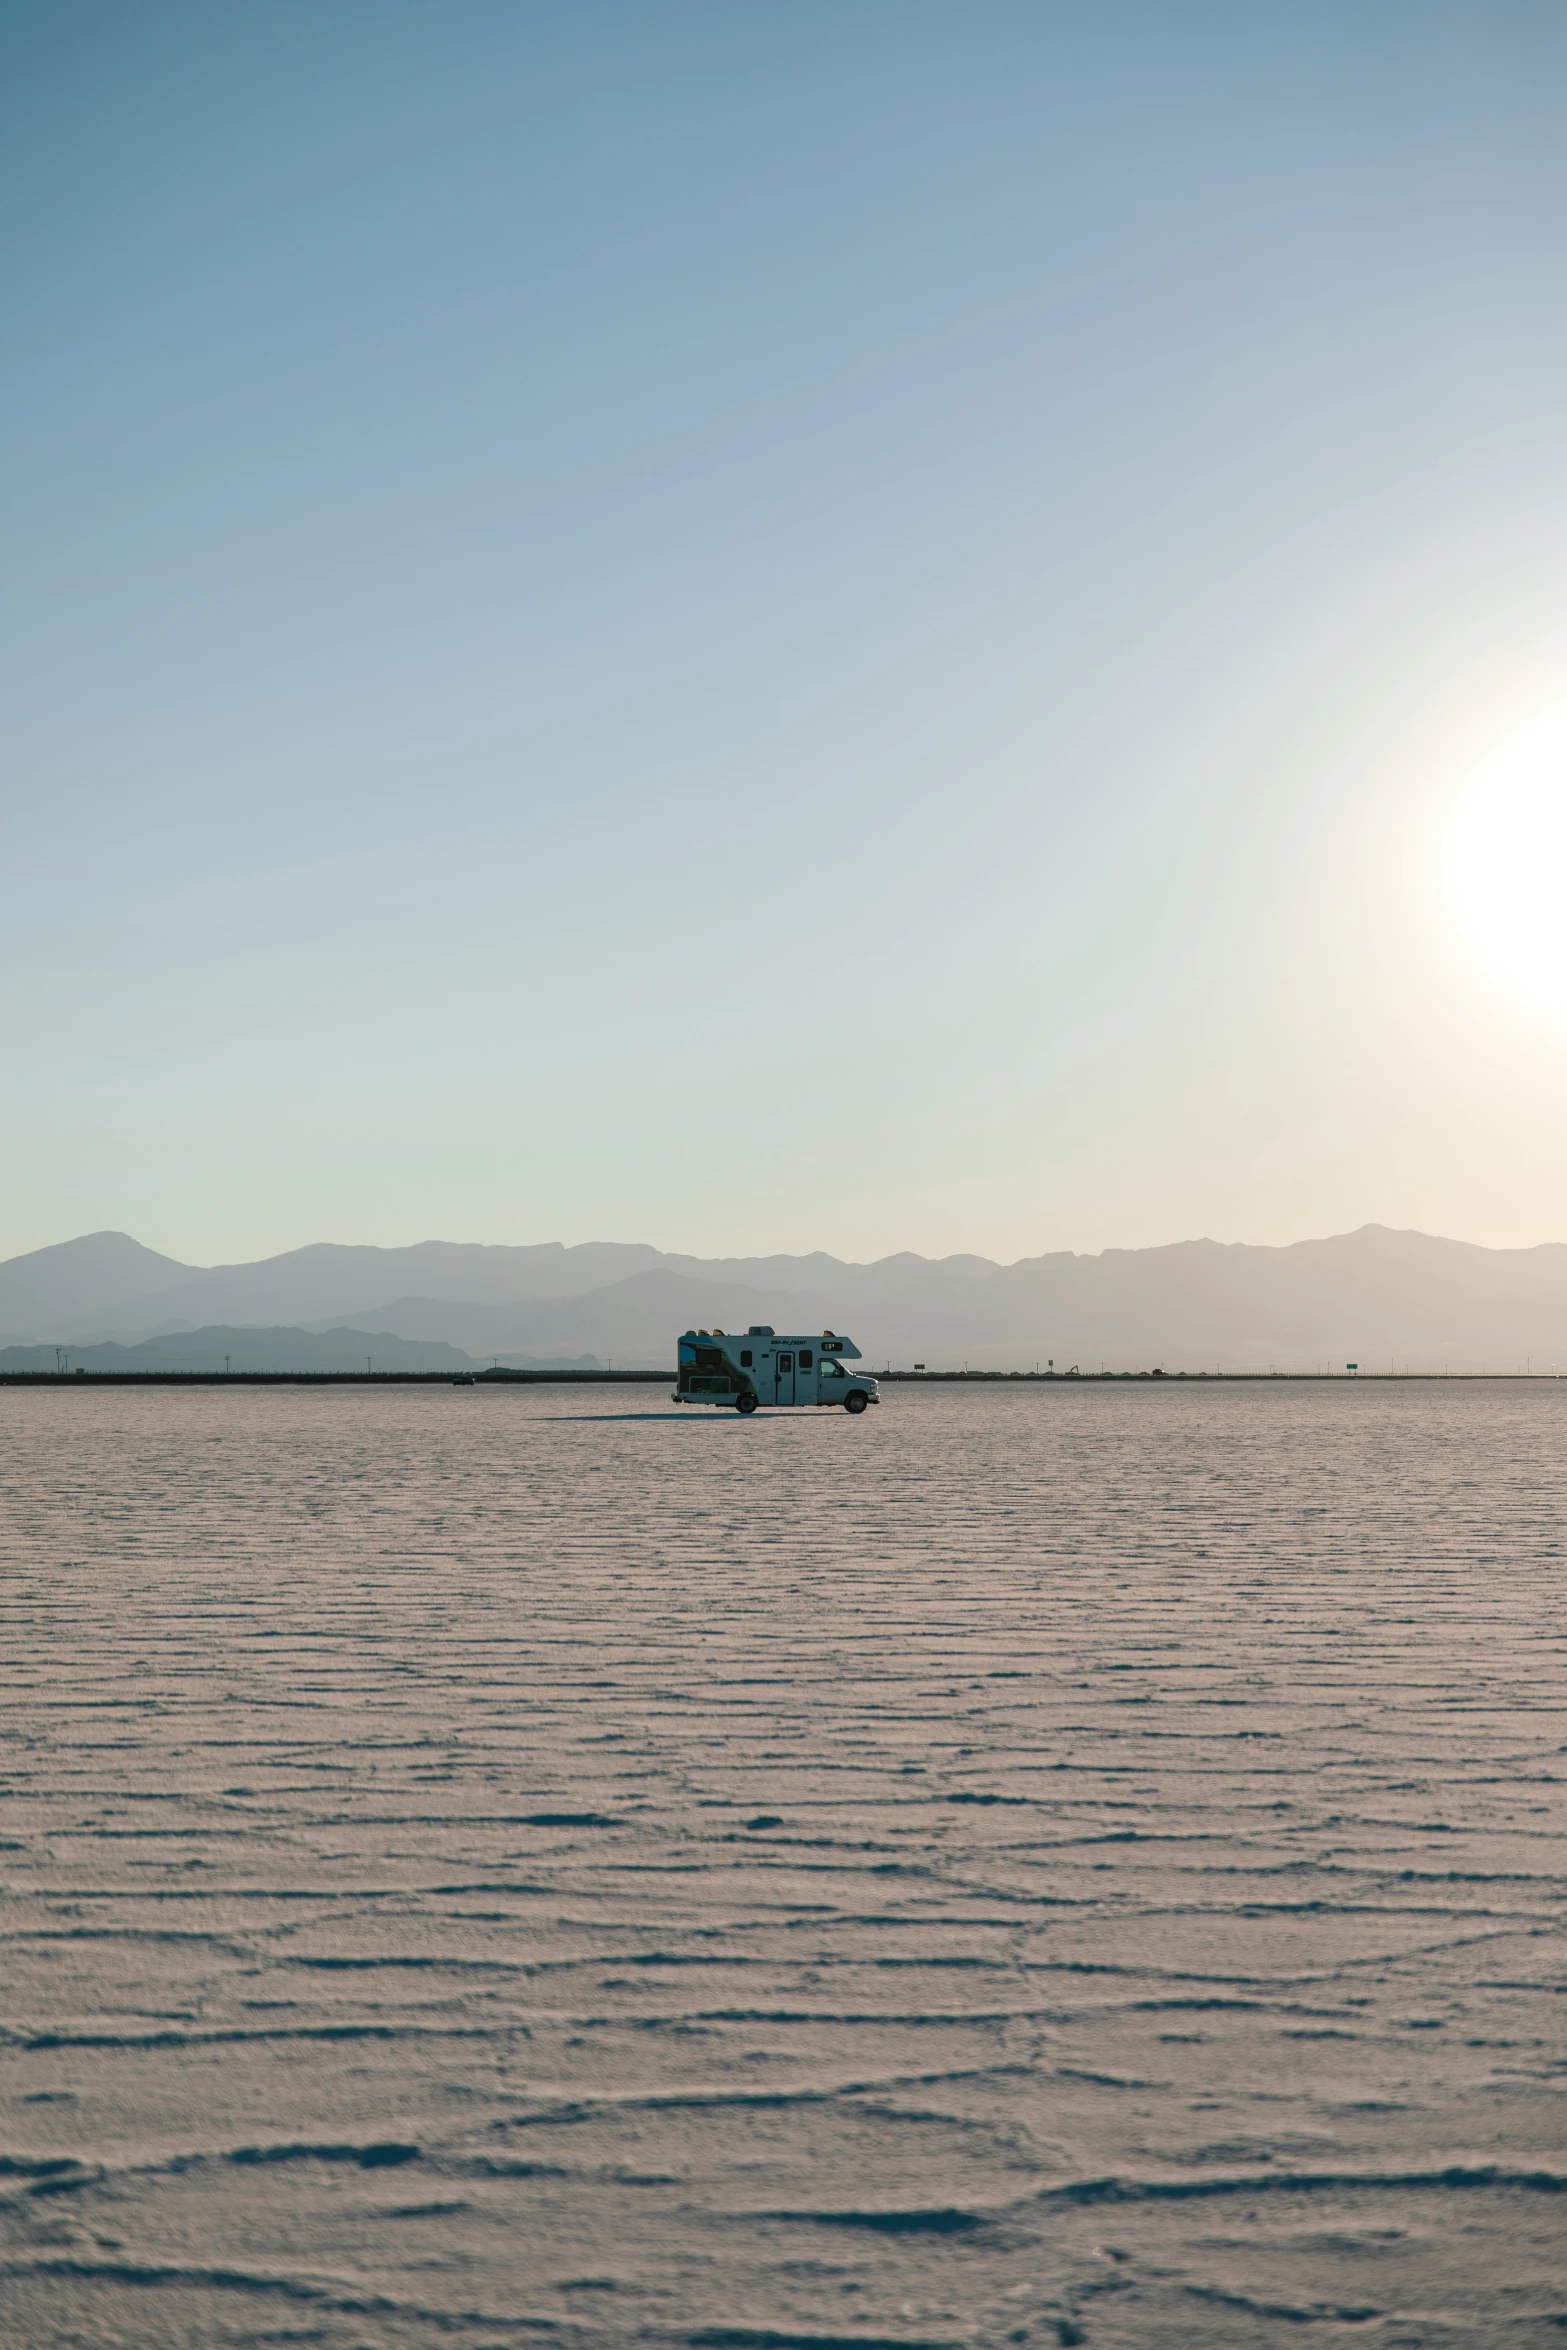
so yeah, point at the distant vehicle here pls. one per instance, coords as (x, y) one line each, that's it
(720, 1368)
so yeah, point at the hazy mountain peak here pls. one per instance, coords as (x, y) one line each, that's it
(97, 1271)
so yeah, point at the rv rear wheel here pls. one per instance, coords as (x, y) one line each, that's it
(745, 1403)
(855, 1402)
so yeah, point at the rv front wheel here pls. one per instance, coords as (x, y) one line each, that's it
(855, 1402)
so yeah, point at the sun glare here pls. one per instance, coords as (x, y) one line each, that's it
(1507, 864)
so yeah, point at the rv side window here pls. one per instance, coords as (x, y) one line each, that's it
(834, 1371)
(709, 1358)
(805, 1358)
(745, 1358)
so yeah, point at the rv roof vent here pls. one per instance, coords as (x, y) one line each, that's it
(760, 1330)
(829, 1333)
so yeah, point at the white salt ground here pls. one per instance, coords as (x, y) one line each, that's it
(1070, 1865)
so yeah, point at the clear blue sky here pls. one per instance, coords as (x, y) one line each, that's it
(771, 627)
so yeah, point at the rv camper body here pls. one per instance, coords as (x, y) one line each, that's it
(721, 1367)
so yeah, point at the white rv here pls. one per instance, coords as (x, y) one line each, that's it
(717, 1366)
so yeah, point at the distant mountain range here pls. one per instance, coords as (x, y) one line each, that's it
(222, 1349)
(1374, 1297)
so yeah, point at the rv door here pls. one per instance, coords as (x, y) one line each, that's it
(785, 1367)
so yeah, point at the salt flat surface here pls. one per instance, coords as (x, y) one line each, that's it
(1069, 1865)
